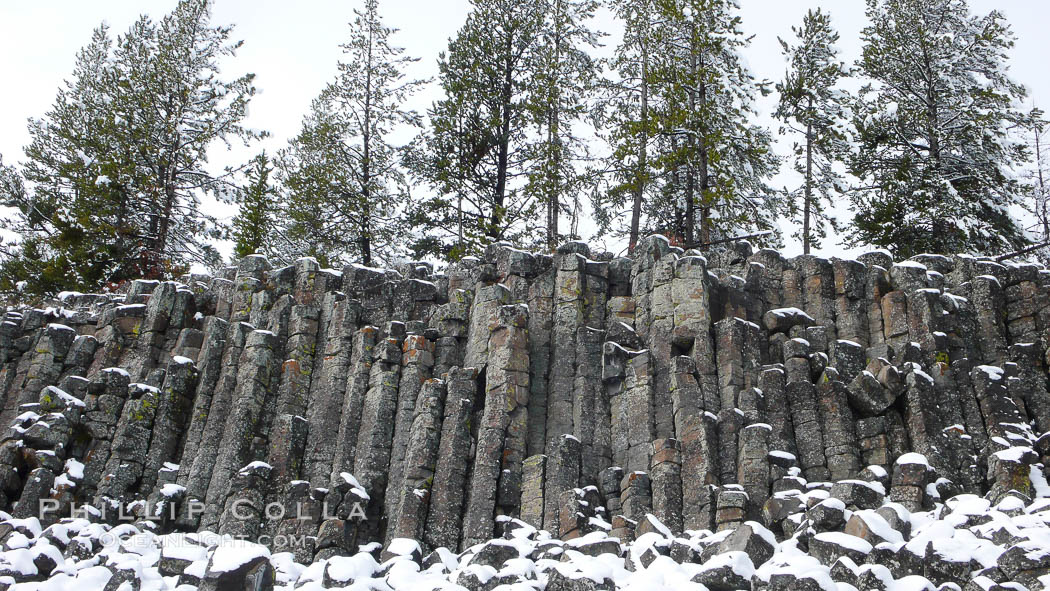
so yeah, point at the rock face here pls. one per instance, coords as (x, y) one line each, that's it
(574, 392)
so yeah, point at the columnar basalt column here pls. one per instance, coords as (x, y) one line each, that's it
(496, 476)
(448, 494)
(412, 493)
(255, 373)
(416, 362)
(375, 436)
(564, 389)
(569, 284)
(362, 356)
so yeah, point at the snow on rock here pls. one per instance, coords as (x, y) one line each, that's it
(75, 469)
(845, 541)
(172, 490)
(961, 540)
(1014, 454)
(67, 399)
(232, 554)
(876, 525)
(404, 547)
(910, 265)
(739, 563)
(913, 458)
(344, 569)
(782, 319)
(355, 486)
(994, 373)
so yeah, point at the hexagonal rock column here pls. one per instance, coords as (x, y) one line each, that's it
(374, 440)
(411, 493)
(666, 476)
(496, 477)
(562, 474)
(254, 378)
(447, 494)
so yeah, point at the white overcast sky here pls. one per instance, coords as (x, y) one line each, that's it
(292, 47)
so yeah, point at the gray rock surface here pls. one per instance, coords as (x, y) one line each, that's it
(575, 392)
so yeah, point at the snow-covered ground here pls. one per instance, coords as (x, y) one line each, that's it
(821, 542)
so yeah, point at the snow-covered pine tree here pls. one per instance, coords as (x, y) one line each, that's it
(254, 229)
(12, 188)
(718, 162)
(12, 194)
(934, 154)
(347, 189)
(813, 109)
(172, 105)
(116, 169)
(565, 80)
(73, 214)
(677, 117)
(626, 124)
(478, 150)
(1039, 176)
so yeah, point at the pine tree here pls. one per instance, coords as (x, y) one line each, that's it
(683, 147)
(175, 106)
(73, 217)
(812, 107)
(12, 188)
(718, 162)
(116, 169)
(478, 151)
(934, 153)
(12, 194)
(347, 188)
(255, 226)
(566, 76)
(627, 124)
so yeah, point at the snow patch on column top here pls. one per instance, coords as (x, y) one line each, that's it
(913, 458)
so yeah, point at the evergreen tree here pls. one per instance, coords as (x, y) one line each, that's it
(73, 219)
(683, 149)
(12, 194)
(812, 107)
(934, 153)
(116, 169)
(347, 188)
(565, 79)
(627, 124)
(176, 106)
(478, 152)
(254, 227)
(12, 189)
(718, 162)
(1039, 204)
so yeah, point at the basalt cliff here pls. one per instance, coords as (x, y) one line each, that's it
(755, 398)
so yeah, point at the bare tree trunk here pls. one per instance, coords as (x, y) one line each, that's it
(677, 230)
(553, 123)
(642, 165)
(1041, 203)
(494, 231)
(365, 239)
(553, 197)
(459, 219)
(164, 224)
(808, 197)
(705, 179)
(690, 181)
